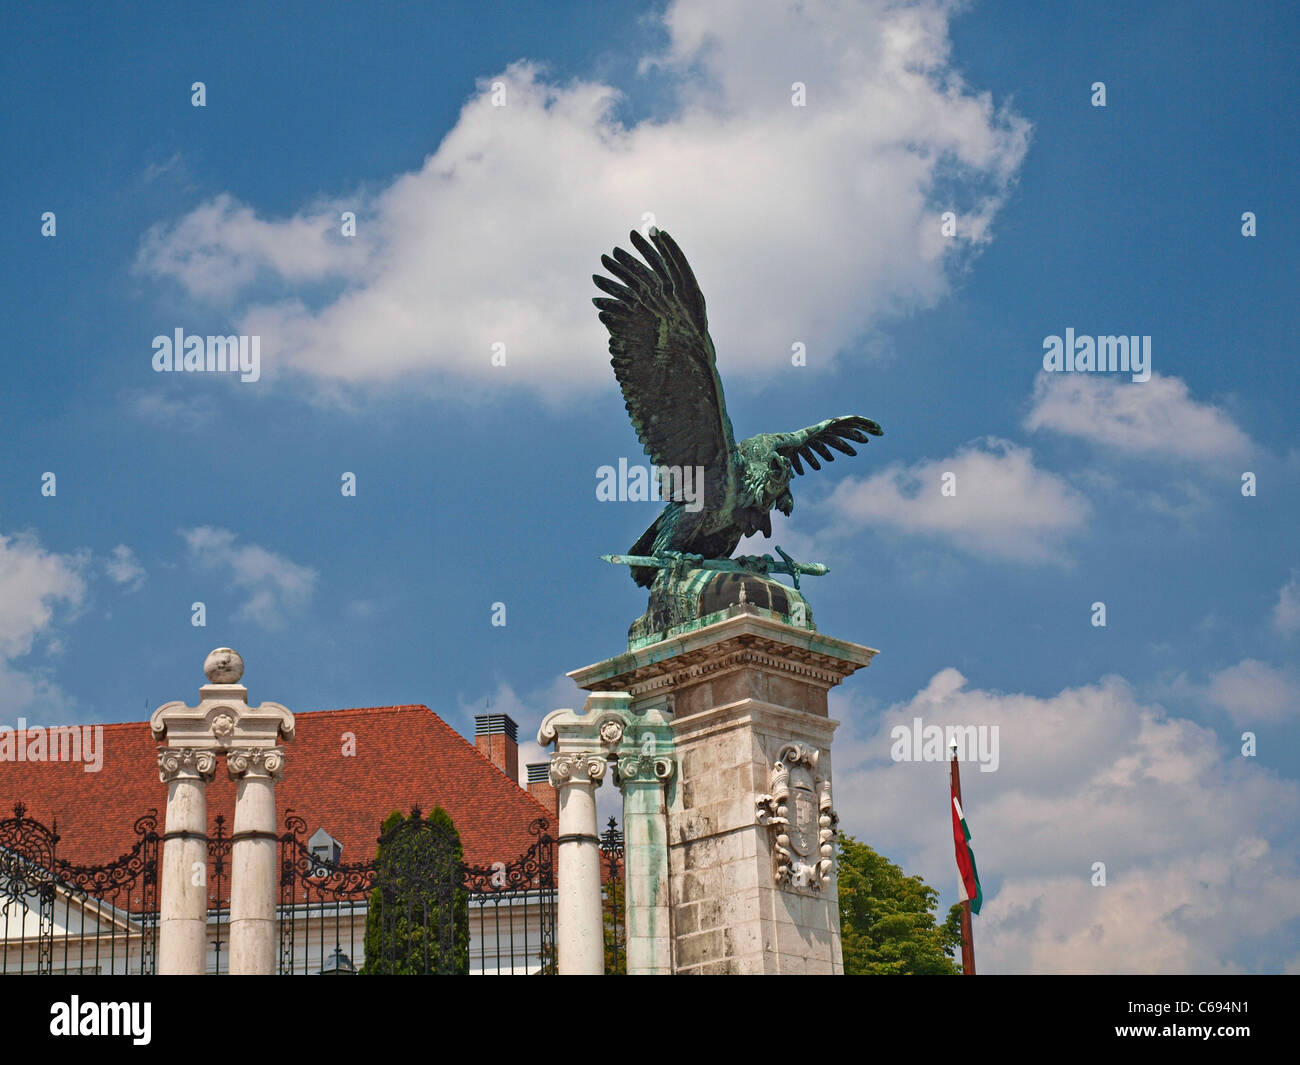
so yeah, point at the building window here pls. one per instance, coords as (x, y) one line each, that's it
(325, 851)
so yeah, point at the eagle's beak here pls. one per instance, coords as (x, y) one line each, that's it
(785, 504)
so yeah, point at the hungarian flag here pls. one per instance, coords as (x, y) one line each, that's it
(970, 879)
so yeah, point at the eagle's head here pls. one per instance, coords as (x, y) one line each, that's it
(766, 477)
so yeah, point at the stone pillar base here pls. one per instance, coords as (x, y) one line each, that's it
(751, 820)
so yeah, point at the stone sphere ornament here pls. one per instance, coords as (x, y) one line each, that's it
(223, 666)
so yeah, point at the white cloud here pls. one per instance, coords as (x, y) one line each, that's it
(173, 166)
(277, 587)
(33, 582)
(222, 246)
(802, 223)
(34, 585)
(124, 568)
(1158, 416)
(1255, 693)
(1199, 843)
(172, 410)
(1286, 612)
(1005, 507)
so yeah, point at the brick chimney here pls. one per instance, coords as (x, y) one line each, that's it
(496, 736)
(539, 786)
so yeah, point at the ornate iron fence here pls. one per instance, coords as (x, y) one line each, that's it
(613, 899)
(62, 917)
(218, 873)
(416, 907)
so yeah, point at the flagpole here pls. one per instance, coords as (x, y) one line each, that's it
(967, 943)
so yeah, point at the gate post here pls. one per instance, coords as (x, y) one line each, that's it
(222, 721)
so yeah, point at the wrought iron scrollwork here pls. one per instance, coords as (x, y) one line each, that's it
(514, 902)
(612, 896)
(122, 894)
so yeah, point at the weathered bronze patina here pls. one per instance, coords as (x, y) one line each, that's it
(666, 366)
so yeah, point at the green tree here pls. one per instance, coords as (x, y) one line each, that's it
(418, 918)
(888, 923)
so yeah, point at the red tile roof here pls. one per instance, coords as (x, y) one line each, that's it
(405, 756)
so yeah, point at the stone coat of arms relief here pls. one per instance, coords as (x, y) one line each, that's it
(802, 820)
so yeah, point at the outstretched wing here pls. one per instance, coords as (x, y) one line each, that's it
(664, 360)
(818, 439)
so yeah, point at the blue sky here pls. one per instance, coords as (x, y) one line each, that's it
(819, 225)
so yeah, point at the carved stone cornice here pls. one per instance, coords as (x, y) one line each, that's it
(599, 725)
(255, 762)
(739, 642)
(700, 666)
(577, 767)
(174, 762)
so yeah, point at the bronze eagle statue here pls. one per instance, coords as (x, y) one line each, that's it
(665, 363)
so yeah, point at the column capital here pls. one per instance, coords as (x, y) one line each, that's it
(639, 740)
(188, 762)
(642, 769)
(253, 762)
(577, 767)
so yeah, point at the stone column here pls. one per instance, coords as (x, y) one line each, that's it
(584, 744)
(640, 742)
(183, 901)
(645, 855)
(222, 721)
(253, 878)
(580, 930)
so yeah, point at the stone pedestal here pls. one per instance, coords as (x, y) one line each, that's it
(751, 821)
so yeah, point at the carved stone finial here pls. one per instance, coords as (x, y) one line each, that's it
(223, 666)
